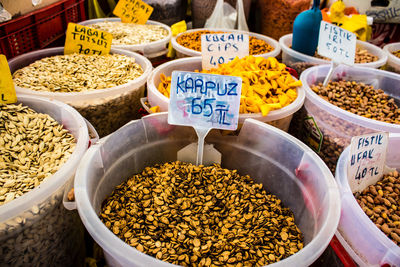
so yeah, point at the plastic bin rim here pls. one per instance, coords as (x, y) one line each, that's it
(187, 51)
(137, 46)
(272, 115)
(388, 49)
(59, 178)
(282, 41)
(312, 96)
(116, 247)
(345, 190)
(147, 68)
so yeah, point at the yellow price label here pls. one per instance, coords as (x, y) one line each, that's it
(133, 11)
(85, 40)
(7, 90)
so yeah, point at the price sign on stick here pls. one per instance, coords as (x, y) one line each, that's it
(85, 40)
(367, 160)
(133, 11)
(7, 90)
(204, 101)
(337, 44)
(223, 47)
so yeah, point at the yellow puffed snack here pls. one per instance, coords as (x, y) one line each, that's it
(266, 84)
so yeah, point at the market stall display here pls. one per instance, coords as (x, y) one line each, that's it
(357, 101)
(149, 39)
(188, 43)
(364, 234)
(276, 113)
(367, 55)
(302, 182)
(106, 92)
(393, 62)
(42, 142)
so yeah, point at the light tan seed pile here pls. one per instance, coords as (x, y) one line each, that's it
(77, 73)
(33, 147)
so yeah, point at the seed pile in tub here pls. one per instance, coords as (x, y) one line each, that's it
(131, 33)
(201, 216)
(77, 73)
(33, 147)
(381, 202)
(361, 99)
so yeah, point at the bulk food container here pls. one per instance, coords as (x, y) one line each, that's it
(300, 61)
(153, 50)
(286, 167)
(393, 62)
(329, 128)
(35, 229)
(182, 51)
(362, 239)
(107, 109)
(279, 118)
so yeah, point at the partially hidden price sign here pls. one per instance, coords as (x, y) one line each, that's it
(336, 43)
(85, 40)
(367, 160)
(7, 90)
(204, 100)
(221, 48)
(133, 11)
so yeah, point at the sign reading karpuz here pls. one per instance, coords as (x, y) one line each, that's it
(204, 100)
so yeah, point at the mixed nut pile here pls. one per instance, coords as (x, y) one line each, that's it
(192, 40)
(130, 33)
(381, 202)
(33, 147)
(362, 56)
(396, 53)
(359, 98)
(77, 73)
(201, 216)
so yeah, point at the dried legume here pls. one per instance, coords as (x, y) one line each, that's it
(192, 40)
(33, 147)
(77, 73)
(381, 202)
(201, 216)
(266, 84)
(396, 53)
(130, 33)
(360, 99)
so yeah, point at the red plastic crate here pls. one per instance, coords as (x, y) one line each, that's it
(40, 28)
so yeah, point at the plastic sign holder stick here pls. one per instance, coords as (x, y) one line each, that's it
(205, 102)
(337, 44)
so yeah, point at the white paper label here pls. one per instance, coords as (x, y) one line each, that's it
(336, 43)
(204, 100)
(223, 47)
(367, 160)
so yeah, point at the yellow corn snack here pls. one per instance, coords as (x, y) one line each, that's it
(266, 85)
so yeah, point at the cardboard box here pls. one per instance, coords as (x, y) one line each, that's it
(21, 7)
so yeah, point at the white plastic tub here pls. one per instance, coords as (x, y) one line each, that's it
(287, 168)
(107, 109)
(151, 50)
(279, 118)
(366, 243)
(338, 126)
(300, 61)
(393, 62)
(35, 229)
(182, 51)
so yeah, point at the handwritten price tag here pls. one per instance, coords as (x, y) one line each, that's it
(133, 11)
(7, 90)
(223, 47)
(204, 100)
(367, 160)
(85, 40)
(336, 43)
